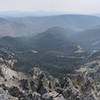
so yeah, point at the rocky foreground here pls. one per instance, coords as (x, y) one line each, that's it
(84, 84)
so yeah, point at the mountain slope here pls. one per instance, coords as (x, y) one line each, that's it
(53, 39)
(6, 28)
(89, 39)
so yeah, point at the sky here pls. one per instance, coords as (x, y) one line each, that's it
(64, 6)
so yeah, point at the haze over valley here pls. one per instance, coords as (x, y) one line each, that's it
(49, 50)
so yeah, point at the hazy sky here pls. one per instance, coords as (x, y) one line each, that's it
(68, 6)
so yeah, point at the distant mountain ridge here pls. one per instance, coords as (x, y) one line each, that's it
(19, 26)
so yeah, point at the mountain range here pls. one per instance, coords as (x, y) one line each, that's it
(19, 26)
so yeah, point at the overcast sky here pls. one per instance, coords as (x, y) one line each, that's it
(67, 6)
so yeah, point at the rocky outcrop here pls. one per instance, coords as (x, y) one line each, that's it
(39, 85)
(36, 85)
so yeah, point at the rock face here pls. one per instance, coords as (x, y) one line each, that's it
(36, 85)
(39, 85)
